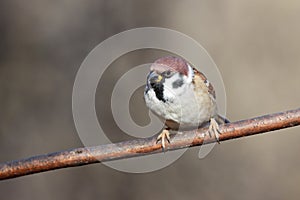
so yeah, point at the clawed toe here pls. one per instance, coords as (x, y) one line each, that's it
(165, 135)
(213, 129)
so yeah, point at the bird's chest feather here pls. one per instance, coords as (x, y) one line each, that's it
(183, 103)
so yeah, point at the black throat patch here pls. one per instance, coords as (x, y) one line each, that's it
(159, 91)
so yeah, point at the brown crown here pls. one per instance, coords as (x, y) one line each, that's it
(171, 63)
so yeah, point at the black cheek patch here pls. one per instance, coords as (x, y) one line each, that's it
(159, 91)
(178, 83)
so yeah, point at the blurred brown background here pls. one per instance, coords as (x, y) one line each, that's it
(255, 44)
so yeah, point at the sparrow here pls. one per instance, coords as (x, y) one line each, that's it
(182, 97)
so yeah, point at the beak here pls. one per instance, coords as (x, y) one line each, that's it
(154, 78)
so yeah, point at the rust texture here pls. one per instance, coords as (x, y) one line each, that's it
(139, 147)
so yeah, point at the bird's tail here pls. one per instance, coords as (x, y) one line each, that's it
(221, 120)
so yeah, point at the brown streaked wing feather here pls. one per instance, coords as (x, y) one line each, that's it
(203, 77)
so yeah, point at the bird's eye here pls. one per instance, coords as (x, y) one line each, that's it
(168, 73)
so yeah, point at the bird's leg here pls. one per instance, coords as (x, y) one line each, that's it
(165, 135)
(214, 129)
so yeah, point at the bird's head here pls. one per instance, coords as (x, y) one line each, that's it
(168, 76)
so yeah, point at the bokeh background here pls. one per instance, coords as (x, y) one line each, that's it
(255, 44)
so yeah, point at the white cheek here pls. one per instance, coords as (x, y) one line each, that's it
(169, 94)
(172, 92)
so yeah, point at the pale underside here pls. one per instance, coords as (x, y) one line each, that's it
(188, 106)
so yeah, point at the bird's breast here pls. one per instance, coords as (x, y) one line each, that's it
(190, 108)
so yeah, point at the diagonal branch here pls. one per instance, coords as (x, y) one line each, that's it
(139, 147)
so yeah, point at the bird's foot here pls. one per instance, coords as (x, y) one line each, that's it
(213, 129)
(165, 135)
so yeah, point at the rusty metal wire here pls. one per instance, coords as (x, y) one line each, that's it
(139, 147)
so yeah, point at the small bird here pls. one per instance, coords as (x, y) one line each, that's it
(181, 96)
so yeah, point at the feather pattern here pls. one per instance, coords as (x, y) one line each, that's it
(189, 99)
